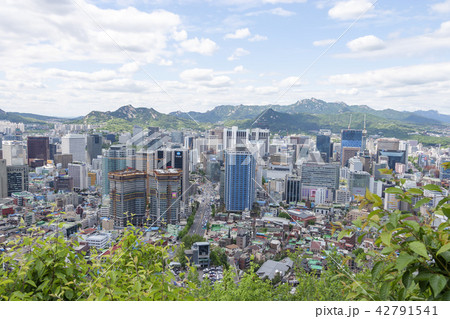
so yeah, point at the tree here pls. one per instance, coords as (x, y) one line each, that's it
(284, 215)
(189, 240)
(414, 261)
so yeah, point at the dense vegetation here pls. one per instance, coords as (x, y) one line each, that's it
(412, 265)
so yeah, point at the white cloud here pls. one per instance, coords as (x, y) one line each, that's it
(238, 69)
(291, 81)
(442, 7)
(205, 77)
(325, 42)
(257, 38)
(352, 91)
(395, 77)
(437, 40)
(348, 10)
(237, 54)
(282, 12)
(283, 1)
(366, 43)
(197, 74)
(129, 67)
(202, 46)
(239, 34)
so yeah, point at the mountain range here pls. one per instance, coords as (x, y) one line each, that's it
(301, 117)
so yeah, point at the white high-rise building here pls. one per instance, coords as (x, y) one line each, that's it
(74, 144)
(79, 172)
(14, 153)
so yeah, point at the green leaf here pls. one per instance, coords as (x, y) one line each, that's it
(377, 269)
(407, 279)
(437, 283)
(419, 248)
(412, 224)
(423, 276)
(403, 260)
(384, 290)
(445, 255)
(422, 202)
(432, 187)
(343, 233)
(443, 248)
(387, 250)
(386, 238)
(415, 191)
(393, 190)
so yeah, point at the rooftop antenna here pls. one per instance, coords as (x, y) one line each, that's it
(350, 123)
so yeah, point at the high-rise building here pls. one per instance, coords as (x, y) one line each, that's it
(240, 167)
(444, 173)
(351, 138)
(355, 164)
(358, 183)
(127, 194)
(292, 188)
(74, 144)
(347, 153)
(38, 148)
(64, 183)
(3, 179)
(393, 157)
(63, 159)
(17, 177)
(79, 173)
(323, 145)
(165, 196)
(320, 175)
(94, 147)
(14, 152)
(114, 159)
(171, 158)
(388, 144)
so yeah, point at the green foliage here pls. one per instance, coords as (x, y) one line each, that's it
(52, 270)
(189, 222)
(413, 260)
(284, 215)
(189, 240)
(218, 257)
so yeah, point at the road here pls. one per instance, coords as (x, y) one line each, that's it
(208, 192)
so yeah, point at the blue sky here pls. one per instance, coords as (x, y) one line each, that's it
(69, 57)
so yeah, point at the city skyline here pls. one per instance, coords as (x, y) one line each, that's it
(72, 57)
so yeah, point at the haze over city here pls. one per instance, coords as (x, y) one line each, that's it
(70, 57)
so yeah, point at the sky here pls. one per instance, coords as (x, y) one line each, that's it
(69, 57)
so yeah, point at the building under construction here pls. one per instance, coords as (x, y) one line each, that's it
(165, 195)
(127, 193)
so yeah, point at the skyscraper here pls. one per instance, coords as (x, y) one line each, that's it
(13, 153)
(38, 148)
(358, 183)
(171, 158)
(17, 176)
(3, 179)
(351, 138)
(324, 147)
(94, 147)
(114, 159)
(292, 188)
(128, 197)
(320, 175)
(79, 173)
(165, 195)
(240, 169)
(74, 144)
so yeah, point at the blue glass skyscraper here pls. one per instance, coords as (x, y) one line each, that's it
(351, 138)
(239, 180)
